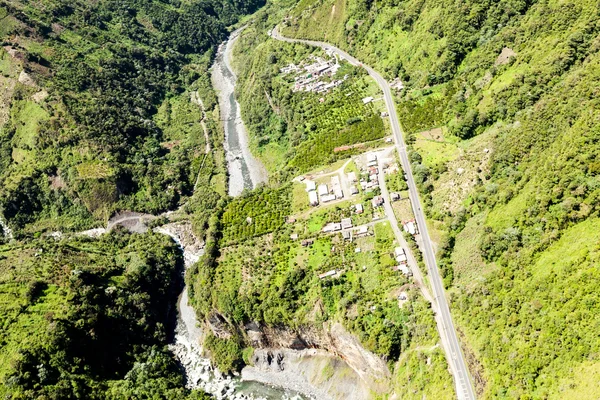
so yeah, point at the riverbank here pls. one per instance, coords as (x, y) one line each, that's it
(245, 171)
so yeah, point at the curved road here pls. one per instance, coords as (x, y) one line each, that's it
(464, 388)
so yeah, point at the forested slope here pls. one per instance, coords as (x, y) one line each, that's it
(521, 244)
(95, 113)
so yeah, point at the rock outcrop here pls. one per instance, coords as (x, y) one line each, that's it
(328, 362)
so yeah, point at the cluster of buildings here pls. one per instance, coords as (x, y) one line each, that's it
(373, 172)
(315, 76)
(401, 259)
(323, 193)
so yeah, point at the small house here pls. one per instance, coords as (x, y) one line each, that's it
(312, 198)
(410, 227)
(338, 194)
(307, 242)
(322, 189)
(353, 190)
(395, 196)
(401, 258)
(346, 223)
(371, 159)
(362, 231)
(327, 198)
(367, 100)
(377, 201)
(359, 208)
(352, 177)
(404, 269)
(347, 235)
(294, 236)
(398, 251)
(310, 185)
(327, 274)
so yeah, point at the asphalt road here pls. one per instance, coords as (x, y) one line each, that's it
(458, 366)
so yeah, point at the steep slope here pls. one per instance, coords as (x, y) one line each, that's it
(96, 110)
(517, 204)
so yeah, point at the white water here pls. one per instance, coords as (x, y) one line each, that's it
(8, 235)
(200, 374)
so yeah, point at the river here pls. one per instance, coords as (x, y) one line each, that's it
(200, 374)
(245, 171)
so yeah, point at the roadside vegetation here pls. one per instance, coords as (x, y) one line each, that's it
(97, 115)
(295, 132)
(512, 177)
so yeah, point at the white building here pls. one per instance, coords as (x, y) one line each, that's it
(367, 100)
(327, 198)
(410, 227)
(322, 189)
(312, 198)
(327, 274)
(310, 185)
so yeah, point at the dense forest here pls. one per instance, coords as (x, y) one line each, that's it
(90, 318)
(519, 246)
(97, 111)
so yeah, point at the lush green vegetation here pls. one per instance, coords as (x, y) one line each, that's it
(255, 213)
(518, 78)
(89, 318)
(296, 132)
(103, 119)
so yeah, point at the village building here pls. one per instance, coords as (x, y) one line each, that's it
(359, 208)
(410, 227)
(327, 198)
(346, 223)
(290, 220)
(338, 194)
(310, 185)
(307, 242)
(312, 198)
(327, 274)
(395, 196)
(403, 296)
(294, 236)
(377, 201)
(367, 100)
(347, 235)
(322, 189)
(351, 177)
(353, 190)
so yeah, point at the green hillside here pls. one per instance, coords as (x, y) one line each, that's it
(89, 318)
(512, 184)
(96, 112)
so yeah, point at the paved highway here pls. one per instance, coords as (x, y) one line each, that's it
(458, 366)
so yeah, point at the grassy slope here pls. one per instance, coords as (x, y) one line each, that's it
(525, 265)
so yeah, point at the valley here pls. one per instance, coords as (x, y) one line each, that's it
(324, 199)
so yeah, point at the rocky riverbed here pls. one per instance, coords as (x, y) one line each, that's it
(245, 171)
